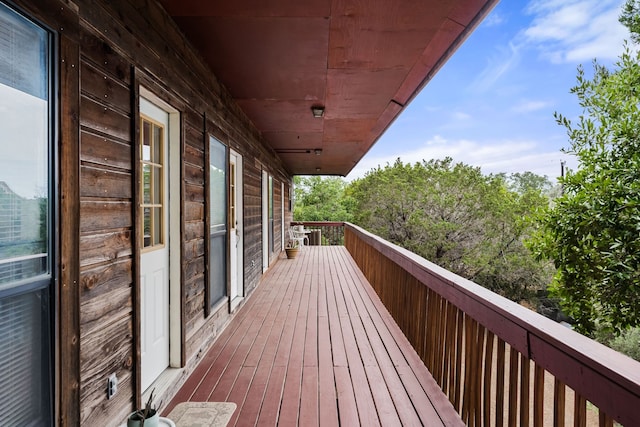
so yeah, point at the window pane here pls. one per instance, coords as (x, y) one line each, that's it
(157, 185)
(146, 183)
(23, 55)
(157, 226)
(23, 343)
(146, 214)
(217, 273)
(157, 145)
(24, 142)
(146, 140)
(25, 276)
(218, 183)
(218, 217)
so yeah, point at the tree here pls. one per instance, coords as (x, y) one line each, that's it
(529, 181)
(593, 232)
(320, 199)
(453, 215)
(630, 17)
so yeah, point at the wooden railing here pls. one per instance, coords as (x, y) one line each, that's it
(331, 233)
(497, 362)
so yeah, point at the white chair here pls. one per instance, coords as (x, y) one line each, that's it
(298, 236)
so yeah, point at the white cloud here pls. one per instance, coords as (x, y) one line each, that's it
(503, 156)
(459, 115)
(501, 62)
(530, 106)
(493, 20)
(575, 30)
(23, 125)
(437, 140)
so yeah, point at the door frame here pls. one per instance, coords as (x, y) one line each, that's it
(174, 203)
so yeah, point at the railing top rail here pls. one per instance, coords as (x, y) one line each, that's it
(319, 223)
(594, 370)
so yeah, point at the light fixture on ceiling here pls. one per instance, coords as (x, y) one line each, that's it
(317, 169)
(317, 111)
(317, 151)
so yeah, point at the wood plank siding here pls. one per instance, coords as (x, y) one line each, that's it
(107, 51)
(315, 346)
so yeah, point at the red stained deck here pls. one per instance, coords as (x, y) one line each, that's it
(315, 346)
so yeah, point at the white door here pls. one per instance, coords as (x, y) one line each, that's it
(265, 221)
(154, 253)
(235, 220)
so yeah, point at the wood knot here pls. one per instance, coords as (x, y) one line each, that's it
(89, 282)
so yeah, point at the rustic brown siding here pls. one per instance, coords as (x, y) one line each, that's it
(107, 49)
(106, 235)
(252, 224)
(193, 214)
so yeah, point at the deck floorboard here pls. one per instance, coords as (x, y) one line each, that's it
(315, 346)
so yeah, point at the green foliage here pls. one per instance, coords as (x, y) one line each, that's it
(628, 342)
(593, 231)
(630, 17)
(525, 182)
(453, 215)
(320, 199)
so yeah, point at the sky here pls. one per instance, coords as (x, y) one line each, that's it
(492, 104)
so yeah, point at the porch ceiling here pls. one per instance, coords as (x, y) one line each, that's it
(362, 60)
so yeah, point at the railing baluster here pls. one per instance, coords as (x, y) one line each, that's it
(439, 347)
(447, 349)
(513, 386)
(477, 377)
(488, 369)
(525, 367)
(467, 373)
(500, 358)
(453, 315)
(579, 410)
(538, 396)
(558, 403)
(422, 297)
(459, 355)
(604, 420)
(473, 374)
(430, 332)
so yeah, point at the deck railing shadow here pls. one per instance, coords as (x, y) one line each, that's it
(498, 362)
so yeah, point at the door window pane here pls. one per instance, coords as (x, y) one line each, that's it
(232, 195)
(152, 169)
(146, 140)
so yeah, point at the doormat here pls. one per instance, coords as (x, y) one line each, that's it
(202, 414)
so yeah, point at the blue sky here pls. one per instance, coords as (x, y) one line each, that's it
(492, 104)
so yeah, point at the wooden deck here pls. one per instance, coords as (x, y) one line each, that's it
(315, 346)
